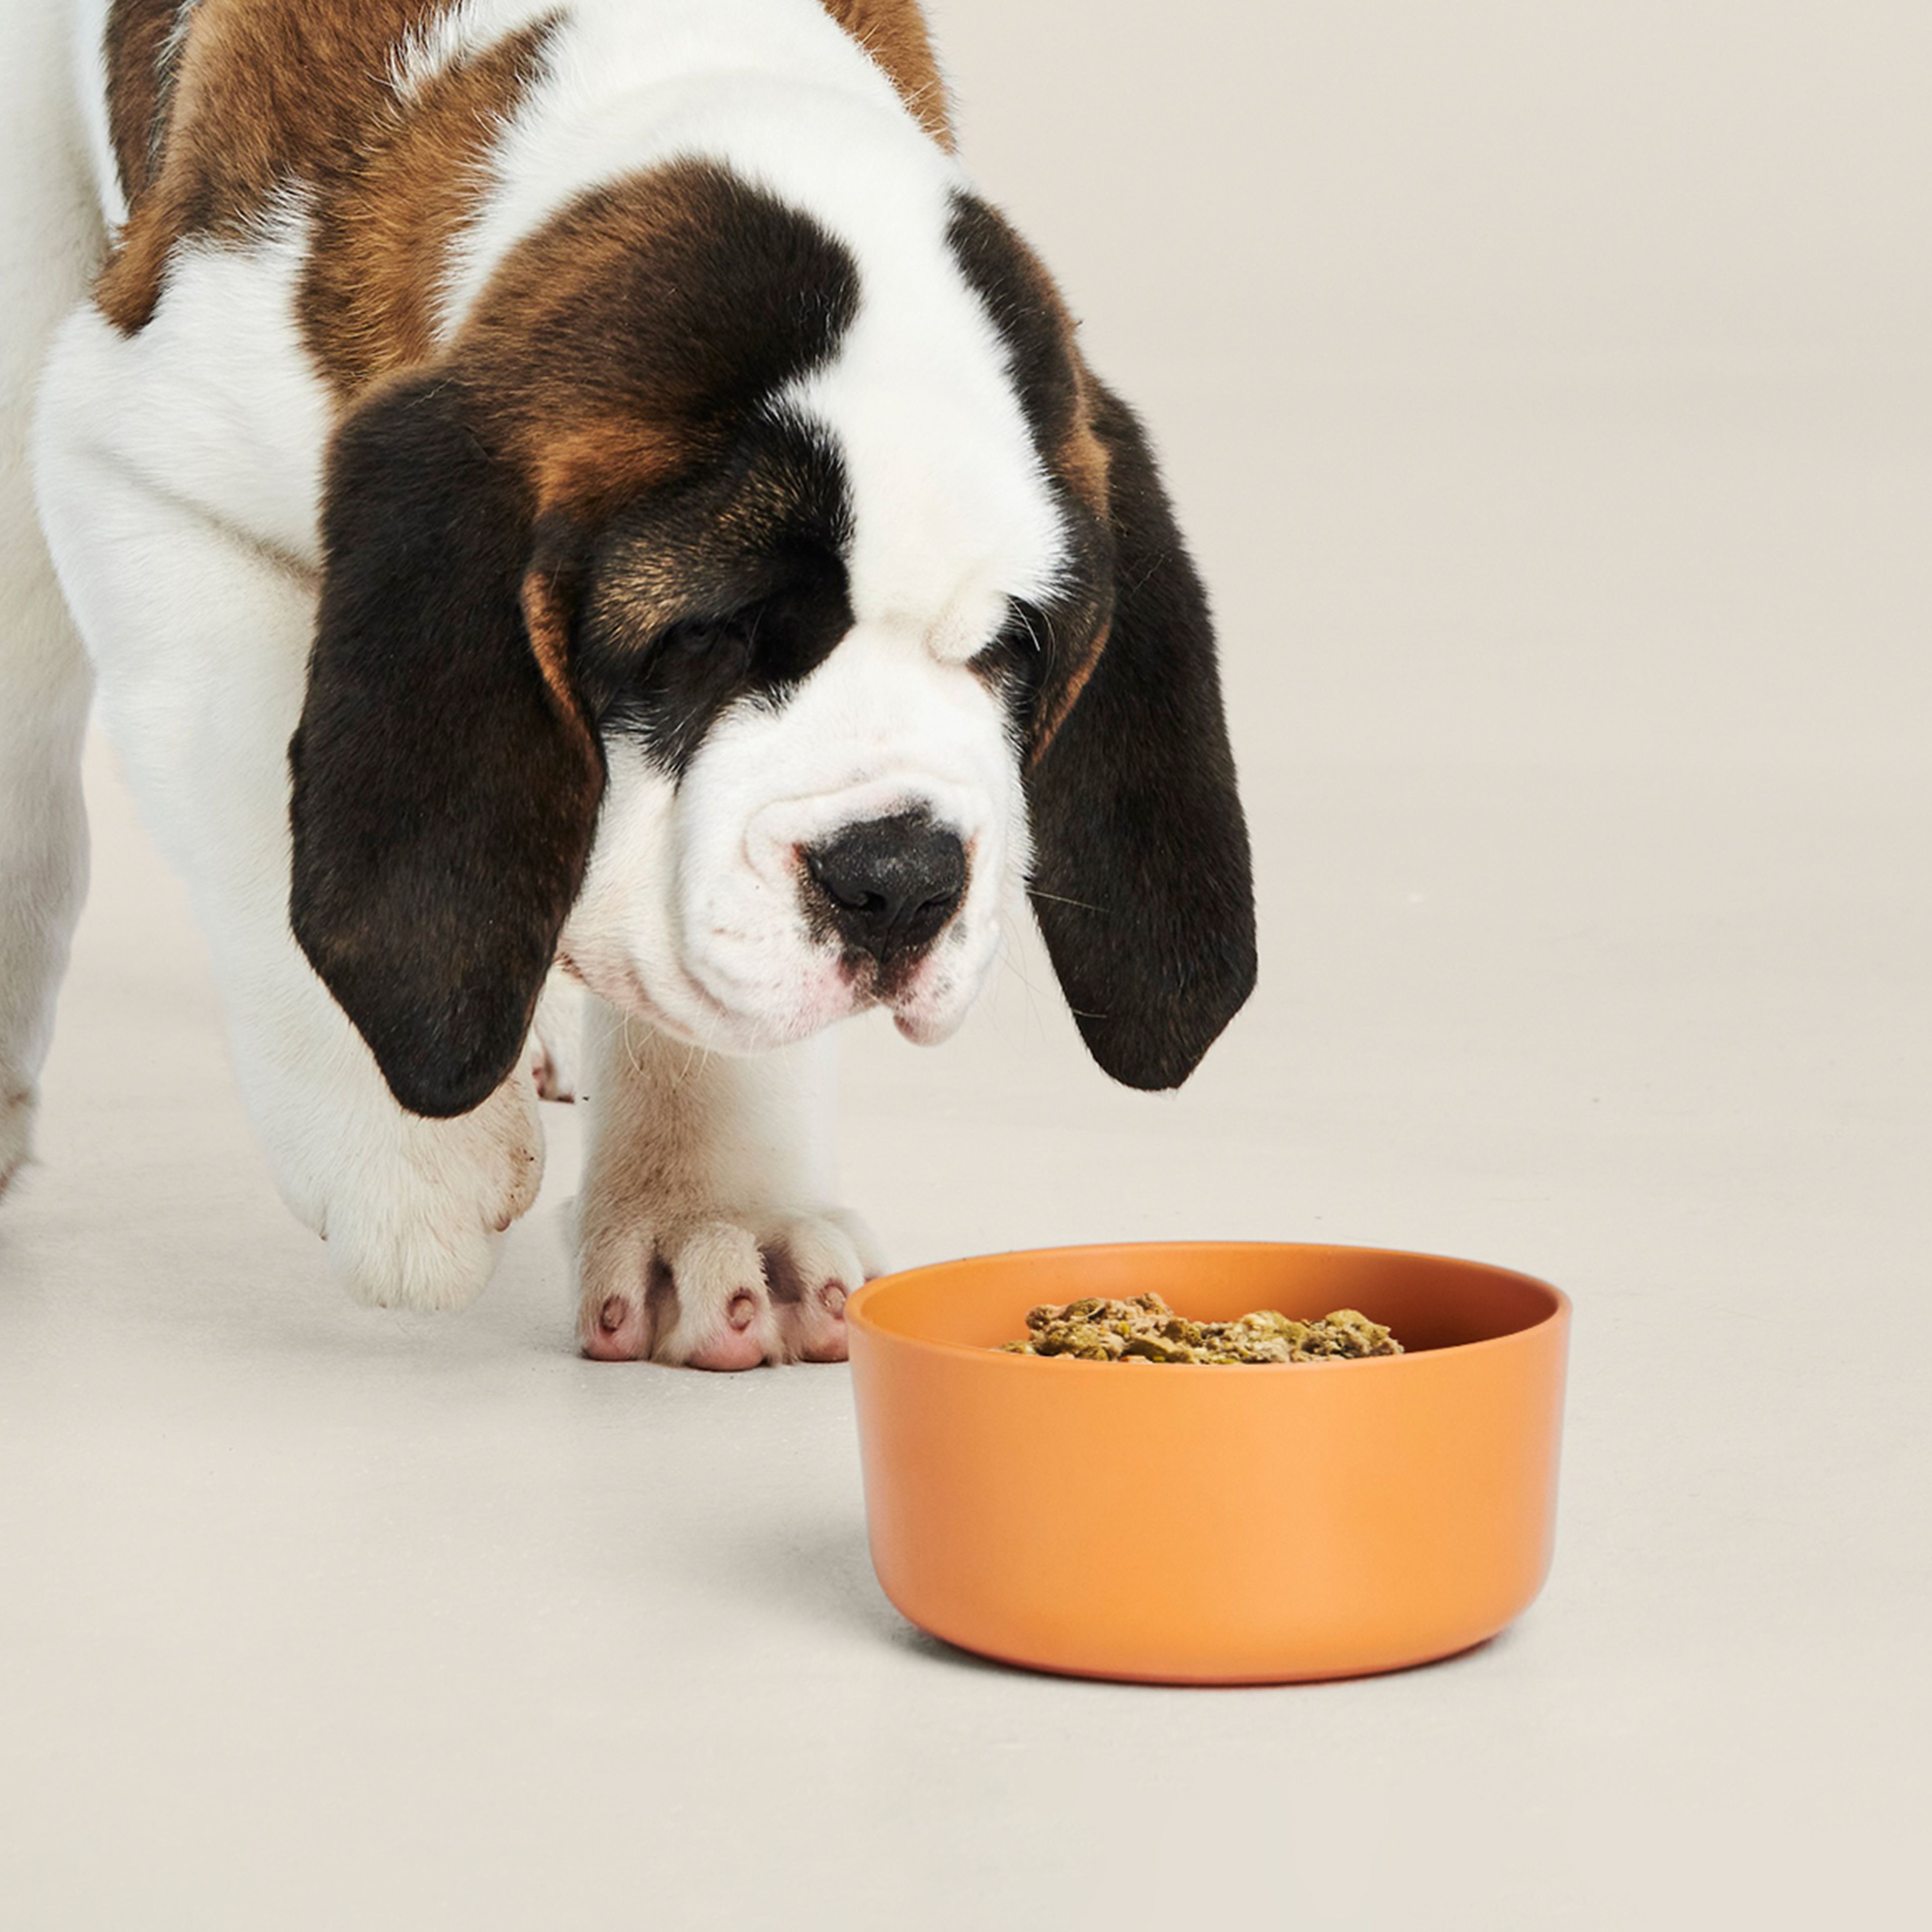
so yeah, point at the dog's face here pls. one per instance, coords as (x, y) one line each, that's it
(812, 799)
(749, 633)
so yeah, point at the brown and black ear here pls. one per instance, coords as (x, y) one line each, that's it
(1140, 881)
(446, 782)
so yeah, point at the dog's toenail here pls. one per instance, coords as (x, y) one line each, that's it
(744, 1306)
(611, 1316)
(833, 1296)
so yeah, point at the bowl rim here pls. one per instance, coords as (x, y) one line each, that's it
(858, 1316)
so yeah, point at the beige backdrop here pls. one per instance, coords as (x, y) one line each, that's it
(1545, 387)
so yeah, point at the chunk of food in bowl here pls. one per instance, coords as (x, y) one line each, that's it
(1147, 1330)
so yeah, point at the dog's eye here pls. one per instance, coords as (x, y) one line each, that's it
(1018, 657)
(716, 642)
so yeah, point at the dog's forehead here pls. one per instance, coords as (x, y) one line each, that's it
(951, 515)
(903, 444)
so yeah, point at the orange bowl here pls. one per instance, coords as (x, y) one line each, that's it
(1188, 1525)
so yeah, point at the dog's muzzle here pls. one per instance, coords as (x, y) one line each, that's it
(887, 887)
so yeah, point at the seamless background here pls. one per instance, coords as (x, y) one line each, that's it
(1545, 388)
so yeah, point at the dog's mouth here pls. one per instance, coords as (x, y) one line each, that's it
(924, 999)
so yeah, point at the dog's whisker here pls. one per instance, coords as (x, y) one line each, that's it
(1013, 960)
(1061, 898)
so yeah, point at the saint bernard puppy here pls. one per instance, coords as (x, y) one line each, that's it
(580, 487)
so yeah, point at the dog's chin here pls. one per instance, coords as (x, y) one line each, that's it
(680, 1004)
(934, 1007)
(924, 1028)
(695, 1018)
(689, 1014)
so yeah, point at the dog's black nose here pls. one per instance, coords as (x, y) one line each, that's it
(890, 884)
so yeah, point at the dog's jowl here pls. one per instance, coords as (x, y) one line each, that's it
(578, 502)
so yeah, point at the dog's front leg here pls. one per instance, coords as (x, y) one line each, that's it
(705, 1236)
(200, 638)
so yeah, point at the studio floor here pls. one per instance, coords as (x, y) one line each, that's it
(1546, 399)
(315, 1617)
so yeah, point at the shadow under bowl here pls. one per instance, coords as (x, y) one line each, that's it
(1177, 1524)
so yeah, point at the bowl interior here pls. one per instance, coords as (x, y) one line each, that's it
(1429, 1301)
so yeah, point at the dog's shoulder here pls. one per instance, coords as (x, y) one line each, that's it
(376, 121)
(372, 119)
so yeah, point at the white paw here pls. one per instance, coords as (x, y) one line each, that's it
(725, 1290)
(414, 1219)
(555, 1051)
(16, 1133)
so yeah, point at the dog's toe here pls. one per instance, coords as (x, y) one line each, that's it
(813, 1268)
(724, 1318)
(738, 1339)
(614, 1328)
(417, 1214)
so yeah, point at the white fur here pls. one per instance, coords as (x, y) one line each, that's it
(179, 481)
(49, 239)
(449, 40)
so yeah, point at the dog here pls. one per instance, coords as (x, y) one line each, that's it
(583, 493)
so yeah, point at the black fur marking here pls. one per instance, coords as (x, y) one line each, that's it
(443, 802)
(1141, 881)
(1017, 664)
(1044, 644)
(750, 553)
(1142, 877)
(1010, 284)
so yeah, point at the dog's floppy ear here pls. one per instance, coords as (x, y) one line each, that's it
(446, 781)
(1140, 881)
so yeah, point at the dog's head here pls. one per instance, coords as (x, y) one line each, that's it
(747, 626)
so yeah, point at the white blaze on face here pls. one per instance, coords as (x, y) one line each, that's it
(951, 516)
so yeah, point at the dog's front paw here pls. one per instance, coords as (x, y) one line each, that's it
(415, 1218)
(725, 1290)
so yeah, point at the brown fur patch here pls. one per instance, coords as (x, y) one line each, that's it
(547, 620)
(1062, 697)
(623, 340)
(266, 93)
(382, 232)
(209, 125)
(141, 53)
(894, 33)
